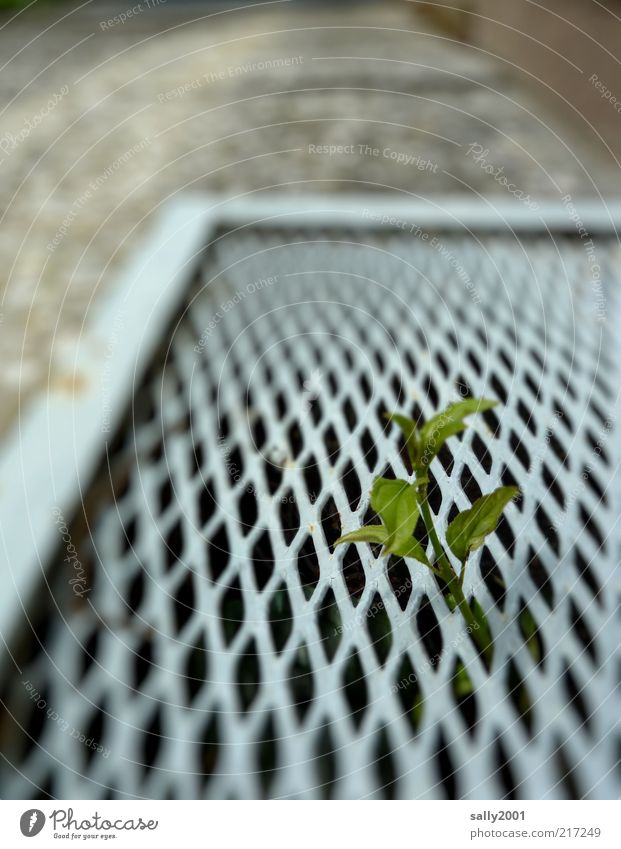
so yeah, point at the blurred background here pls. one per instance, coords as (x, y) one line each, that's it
(110, 108)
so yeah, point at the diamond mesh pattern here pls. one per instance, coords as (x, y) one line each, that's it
(226, 650)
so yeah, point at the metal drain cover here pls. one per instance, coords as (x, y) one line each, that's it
(224, 649)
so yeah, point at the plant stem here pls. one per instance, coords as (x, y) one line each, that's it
(452, 580)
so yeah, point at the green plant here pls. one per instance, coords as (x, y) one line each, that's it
(399, 504)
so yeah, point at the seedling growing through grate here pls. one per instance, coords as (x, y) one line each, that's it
(399, 503)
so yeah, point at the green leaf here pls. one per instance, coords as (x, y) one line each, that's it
(468, 530)
(368, 533)
(410, 434)
(395, 502)
(435, 432)
(410, 548)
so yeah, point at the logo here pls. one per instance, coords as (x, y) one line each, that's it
(32, 822)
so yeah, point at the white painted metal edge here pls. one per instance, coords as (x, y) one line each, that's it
(55, 448)
(49, 459)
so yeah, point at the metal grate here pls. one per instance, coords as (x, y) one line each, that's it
(226, 650)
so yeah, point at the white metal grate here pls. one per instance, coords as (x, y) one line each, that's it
(226, 650)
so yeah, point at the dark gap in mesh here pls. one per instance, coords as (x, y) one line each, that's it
(368, 449)
(355, 688)
(174, 545)
(95, 731)
(506, 359)
(582, 631)
(451, 338)
(429, 388)
(331, 444)
(447, 773)
(218, 553)
(197, 668)
(209, 749)
(248, 510)
(248, 676)
(434, 493)
(563, 416)
(232, 611)
(397, 388)
(520, 696)
(463, 387)
(365, 386)
(410, 695)
(557, 448)
(273, 476)
(289, 517)
(474, 362)
(527, 417)
(281, 406)
(531, 634)
(88, 653)
(152, 741)
(552, 486)
(540, 577)
(206, 503)
(444, 366)
(349, 414)
(492, 576)
(312, 479)
(470, 487)
(538, 359)
(128, 538)
(280, 618)
(263, 560)
(400, 580)
(592, 528)
(547, 529)
(597, 447)
(410, 361)
(165, 495)
(505, 535)
(325, 762)
(519, 449)
(534, 387)
(330, 624)
(463, 693)
(491, 420)
(351, 485)
(588, 576)
(566, 773)
(385, 767)
(267, 756)
(353, 573)
(594, 485)
(445, 456)
(378, 625)
(300, 682)
(481, 453)
(184, 601)
(504, 771)
(430, 631)
(575, 697)
(308, 567)
(143, 660)
(498, 388)
(296, 440)
(330, 523)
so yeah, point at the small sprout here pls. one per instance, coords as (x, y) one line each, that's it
(399, 504)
